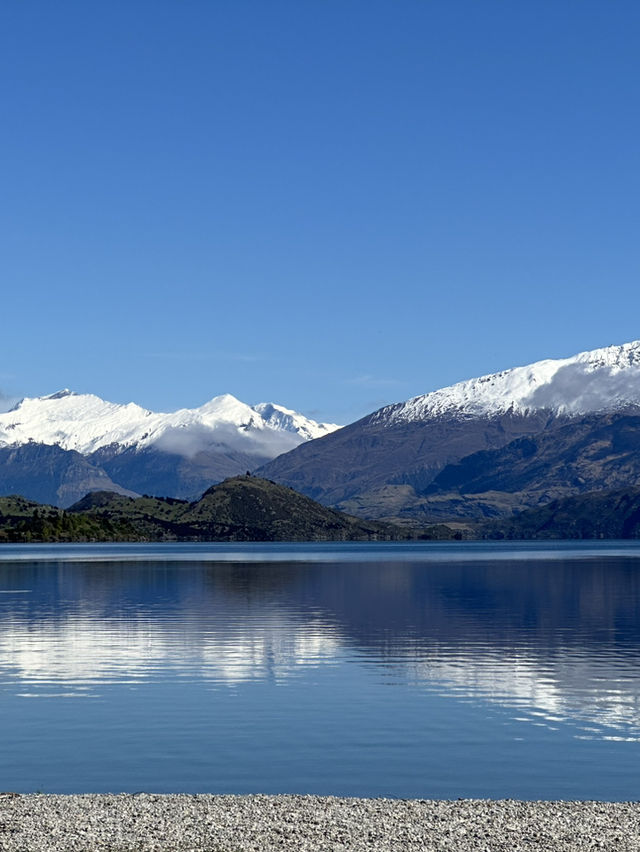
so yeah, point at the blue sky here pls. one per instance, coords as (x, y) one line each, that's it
(331, 205)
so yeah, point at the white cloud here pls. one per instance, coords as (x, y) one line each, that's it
(576, 388)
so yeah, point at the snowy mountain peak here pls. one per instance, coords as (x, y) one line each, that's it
(598, 380)
(86, 423)
(286, 420)
(225, 408)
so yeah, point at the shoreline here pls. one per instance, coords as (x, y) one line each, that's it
(262, 823)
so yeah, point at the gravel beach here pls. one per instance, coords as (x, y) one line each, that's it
(233, 823)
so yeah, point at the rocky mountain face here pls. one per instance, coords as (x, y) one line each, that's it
(59, 447)
(484, 447)
(598, 451)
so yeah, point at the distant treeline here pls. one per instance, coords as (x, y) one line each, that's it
(247, 508)
(243, 508)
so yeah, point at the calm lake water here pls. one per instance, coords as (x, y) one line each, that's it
(404, 670)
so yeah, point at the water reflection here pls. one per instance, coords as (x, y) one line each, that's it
(81, 654)
(555, 639)
(599, 693)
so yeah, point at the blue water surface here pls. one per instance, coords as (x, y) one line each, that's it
(406, 670)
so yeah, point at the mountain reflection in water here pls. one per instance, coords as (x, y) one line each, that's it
(560, 639)
(554, 641)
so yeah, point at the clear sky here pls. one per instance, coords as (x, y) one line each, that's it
(330, 204)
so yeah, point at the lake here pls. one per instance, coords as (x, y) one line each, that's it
(501, 670)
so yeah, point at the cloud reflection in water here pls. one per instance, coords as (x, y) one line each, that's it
(555, 641)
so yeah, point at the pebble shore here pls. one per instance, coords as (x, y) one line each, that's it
(181, 823)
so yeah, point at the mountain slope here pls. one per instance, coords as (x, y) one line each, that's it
(594, 452)
(370, 454)
(151, 471)
(603, 514)
(49, 474)
(391, 457)
(597, 451)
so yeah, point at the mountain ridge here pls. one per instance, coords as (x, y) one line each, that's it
(86, 423)
(405, 446)
(131, 449)
(581, 384)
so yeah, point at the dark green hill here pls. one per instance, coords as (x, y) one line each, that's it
(243, 508)
(247, 508)
(600, 514)
(152, 518)
(24, 520)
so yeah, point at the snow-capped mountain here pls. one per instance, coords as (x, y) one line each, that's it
(85, 423)
(600, 380)
(533, 433)
(426, 457)
(57, 448)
